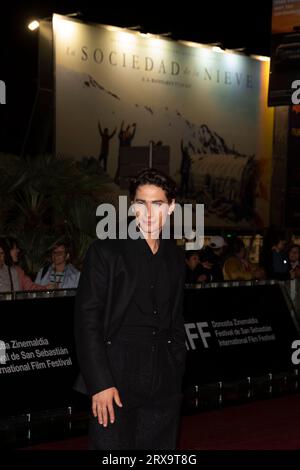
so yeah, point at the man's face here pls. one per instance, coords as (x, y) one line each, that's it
(281, 245)
(152, 208)
(294, 254)
(59, 255)
(193, 261)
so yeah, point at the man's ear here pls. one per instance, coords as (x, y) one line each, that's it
(132, 207)
(171, 207)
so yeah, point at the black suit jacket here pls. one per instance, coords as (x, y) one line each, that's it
(106, 287)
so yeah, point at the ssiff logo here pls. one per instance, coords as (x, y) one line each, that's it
(2, 92)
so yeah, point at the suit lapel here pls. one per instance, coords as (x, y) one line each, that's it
(127, 272)
(173, 273)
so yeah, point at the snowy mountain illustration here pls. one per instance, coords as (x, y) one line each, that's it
(199, 139)
(219, 175)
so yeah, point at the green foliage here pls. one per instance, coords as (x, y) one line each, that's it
(44, 199)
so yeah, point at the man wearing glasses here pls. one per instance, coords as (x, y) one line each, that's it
(60, 273)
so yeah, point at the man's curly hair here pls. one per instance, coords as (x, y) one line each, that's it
(156, 178)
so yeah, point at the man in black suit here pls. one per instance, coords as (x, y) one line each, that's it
(129, 327)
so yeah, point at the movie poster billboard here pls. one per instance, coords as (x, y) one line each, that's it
(205, 110)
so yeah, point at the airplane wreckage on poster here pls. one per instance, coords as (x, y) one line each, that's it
(208, 170)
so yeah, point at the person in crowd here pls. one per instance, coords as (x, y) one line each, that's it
(237, 267)
(192, 262)
(60, 272)
(198, 269)
(105, 138)
(293, 256)
(9, 280)
(274, 258)
(25, 282)
(129, 327)
(212, 258)
(205, 269)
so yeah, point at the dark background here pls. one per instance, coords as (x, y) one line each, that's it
(234, 24)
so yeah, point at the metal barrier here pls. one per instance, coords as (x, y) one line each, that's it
(40, 294)
(292, 286)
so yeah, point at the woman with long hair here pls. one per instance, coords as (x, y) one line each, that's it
(25, 282)
(9, 280)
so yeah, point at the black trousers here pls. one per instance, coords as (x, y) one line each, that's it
(149, 384)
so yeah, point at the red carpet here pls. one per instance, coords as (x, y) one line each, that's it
(262, 425)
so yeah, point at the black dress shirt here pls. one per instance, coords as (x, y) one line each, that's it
(150, 304)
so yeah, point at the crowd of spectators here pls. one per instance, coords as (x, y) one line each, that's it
(57, 273)
(229, 260)
(221, 259)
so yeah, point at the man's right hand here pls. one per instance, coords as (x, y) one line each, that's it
(102, 405)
